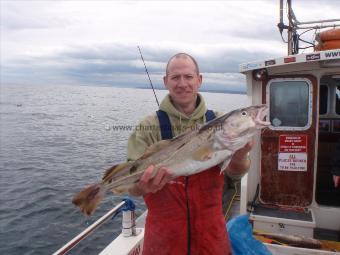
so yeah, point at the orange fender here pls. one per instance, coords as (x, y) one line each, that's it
(328, 45)
(332, 34)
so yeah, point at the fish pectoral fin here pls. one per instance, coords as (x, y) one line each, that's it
(224, 164)
(116, 171)
(203, 154)
(155, 148)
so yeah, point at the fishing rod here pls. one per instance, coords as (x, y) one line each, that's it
(146, 70)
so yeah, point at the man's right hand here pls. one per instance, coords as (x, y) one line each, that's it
(150, 183)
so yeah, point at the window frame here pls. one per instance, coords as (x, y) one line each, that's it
(334, 100)
(310, 102)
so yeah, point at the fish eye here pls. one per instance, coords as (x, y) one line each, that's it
(244, 113)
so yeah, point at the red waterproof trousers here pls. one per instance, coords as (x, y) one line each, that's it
(186, 217)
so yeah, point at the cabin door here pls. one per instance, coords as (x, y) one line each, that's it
(329, 140)
(288, 146)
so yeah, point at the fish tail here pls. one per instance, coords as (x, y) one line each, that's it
(89, 198)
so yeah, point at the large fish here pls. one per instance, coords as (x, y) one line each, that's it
(190, 153)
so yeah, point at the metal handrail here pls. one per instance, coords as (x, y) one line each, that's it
(67, 247)
(317, 21)
(318, 27)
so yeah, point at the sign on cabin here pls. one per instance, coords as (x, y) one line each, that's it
(292, 153)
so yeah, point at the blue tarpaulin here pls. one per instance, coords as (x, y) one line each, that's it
(241, 238)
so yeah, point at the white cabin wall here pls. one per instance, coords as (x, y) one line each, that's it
(292, 69)
(250, 181)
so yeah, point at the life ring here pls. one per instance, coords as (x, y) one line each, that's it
(328, 45)
(328, 35)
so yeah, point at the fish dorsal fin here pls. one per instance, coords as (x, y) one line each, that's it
(203, 153)
(168, 146)
(217, 122)
(186, 136)
(117, 171)
(155, 148)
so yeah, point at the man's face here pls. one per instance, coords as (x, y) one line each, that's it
(182, 81)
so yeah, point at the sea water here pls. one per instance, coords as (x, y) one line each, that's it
(56, 140)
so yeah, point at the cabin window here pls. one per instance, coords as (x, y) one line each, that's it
(289, 103)
(323, 99)
(329, 103)
(337, 99)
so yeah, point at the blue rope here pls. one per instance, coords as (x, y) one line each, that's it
(128, 206)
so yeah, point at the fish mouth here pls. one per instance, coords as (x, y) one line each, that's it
(261, 117)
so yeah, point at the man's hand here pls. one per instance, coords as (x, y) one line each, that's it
(149, 183)
(336, 180)
(240, 162)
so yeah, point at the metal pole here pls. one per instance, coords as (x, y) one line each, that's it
(290, 29)
(67, 247)
(281, 11)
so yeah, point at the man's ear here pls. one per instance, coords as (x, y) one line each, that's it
(165, 81)
(200, 77)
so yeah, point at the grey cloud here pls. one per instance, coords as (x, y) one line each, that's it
(257, 32)
(120, 65)
(119, 57)
(107, 51)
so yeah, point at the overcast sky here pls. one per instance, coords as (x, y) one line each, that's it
(95, 42)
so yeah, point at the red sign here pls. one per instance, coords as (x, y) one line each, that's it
(293, 143)
(289, 59)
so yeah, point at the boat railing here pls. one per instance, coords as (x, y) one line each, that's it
(76, 240)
